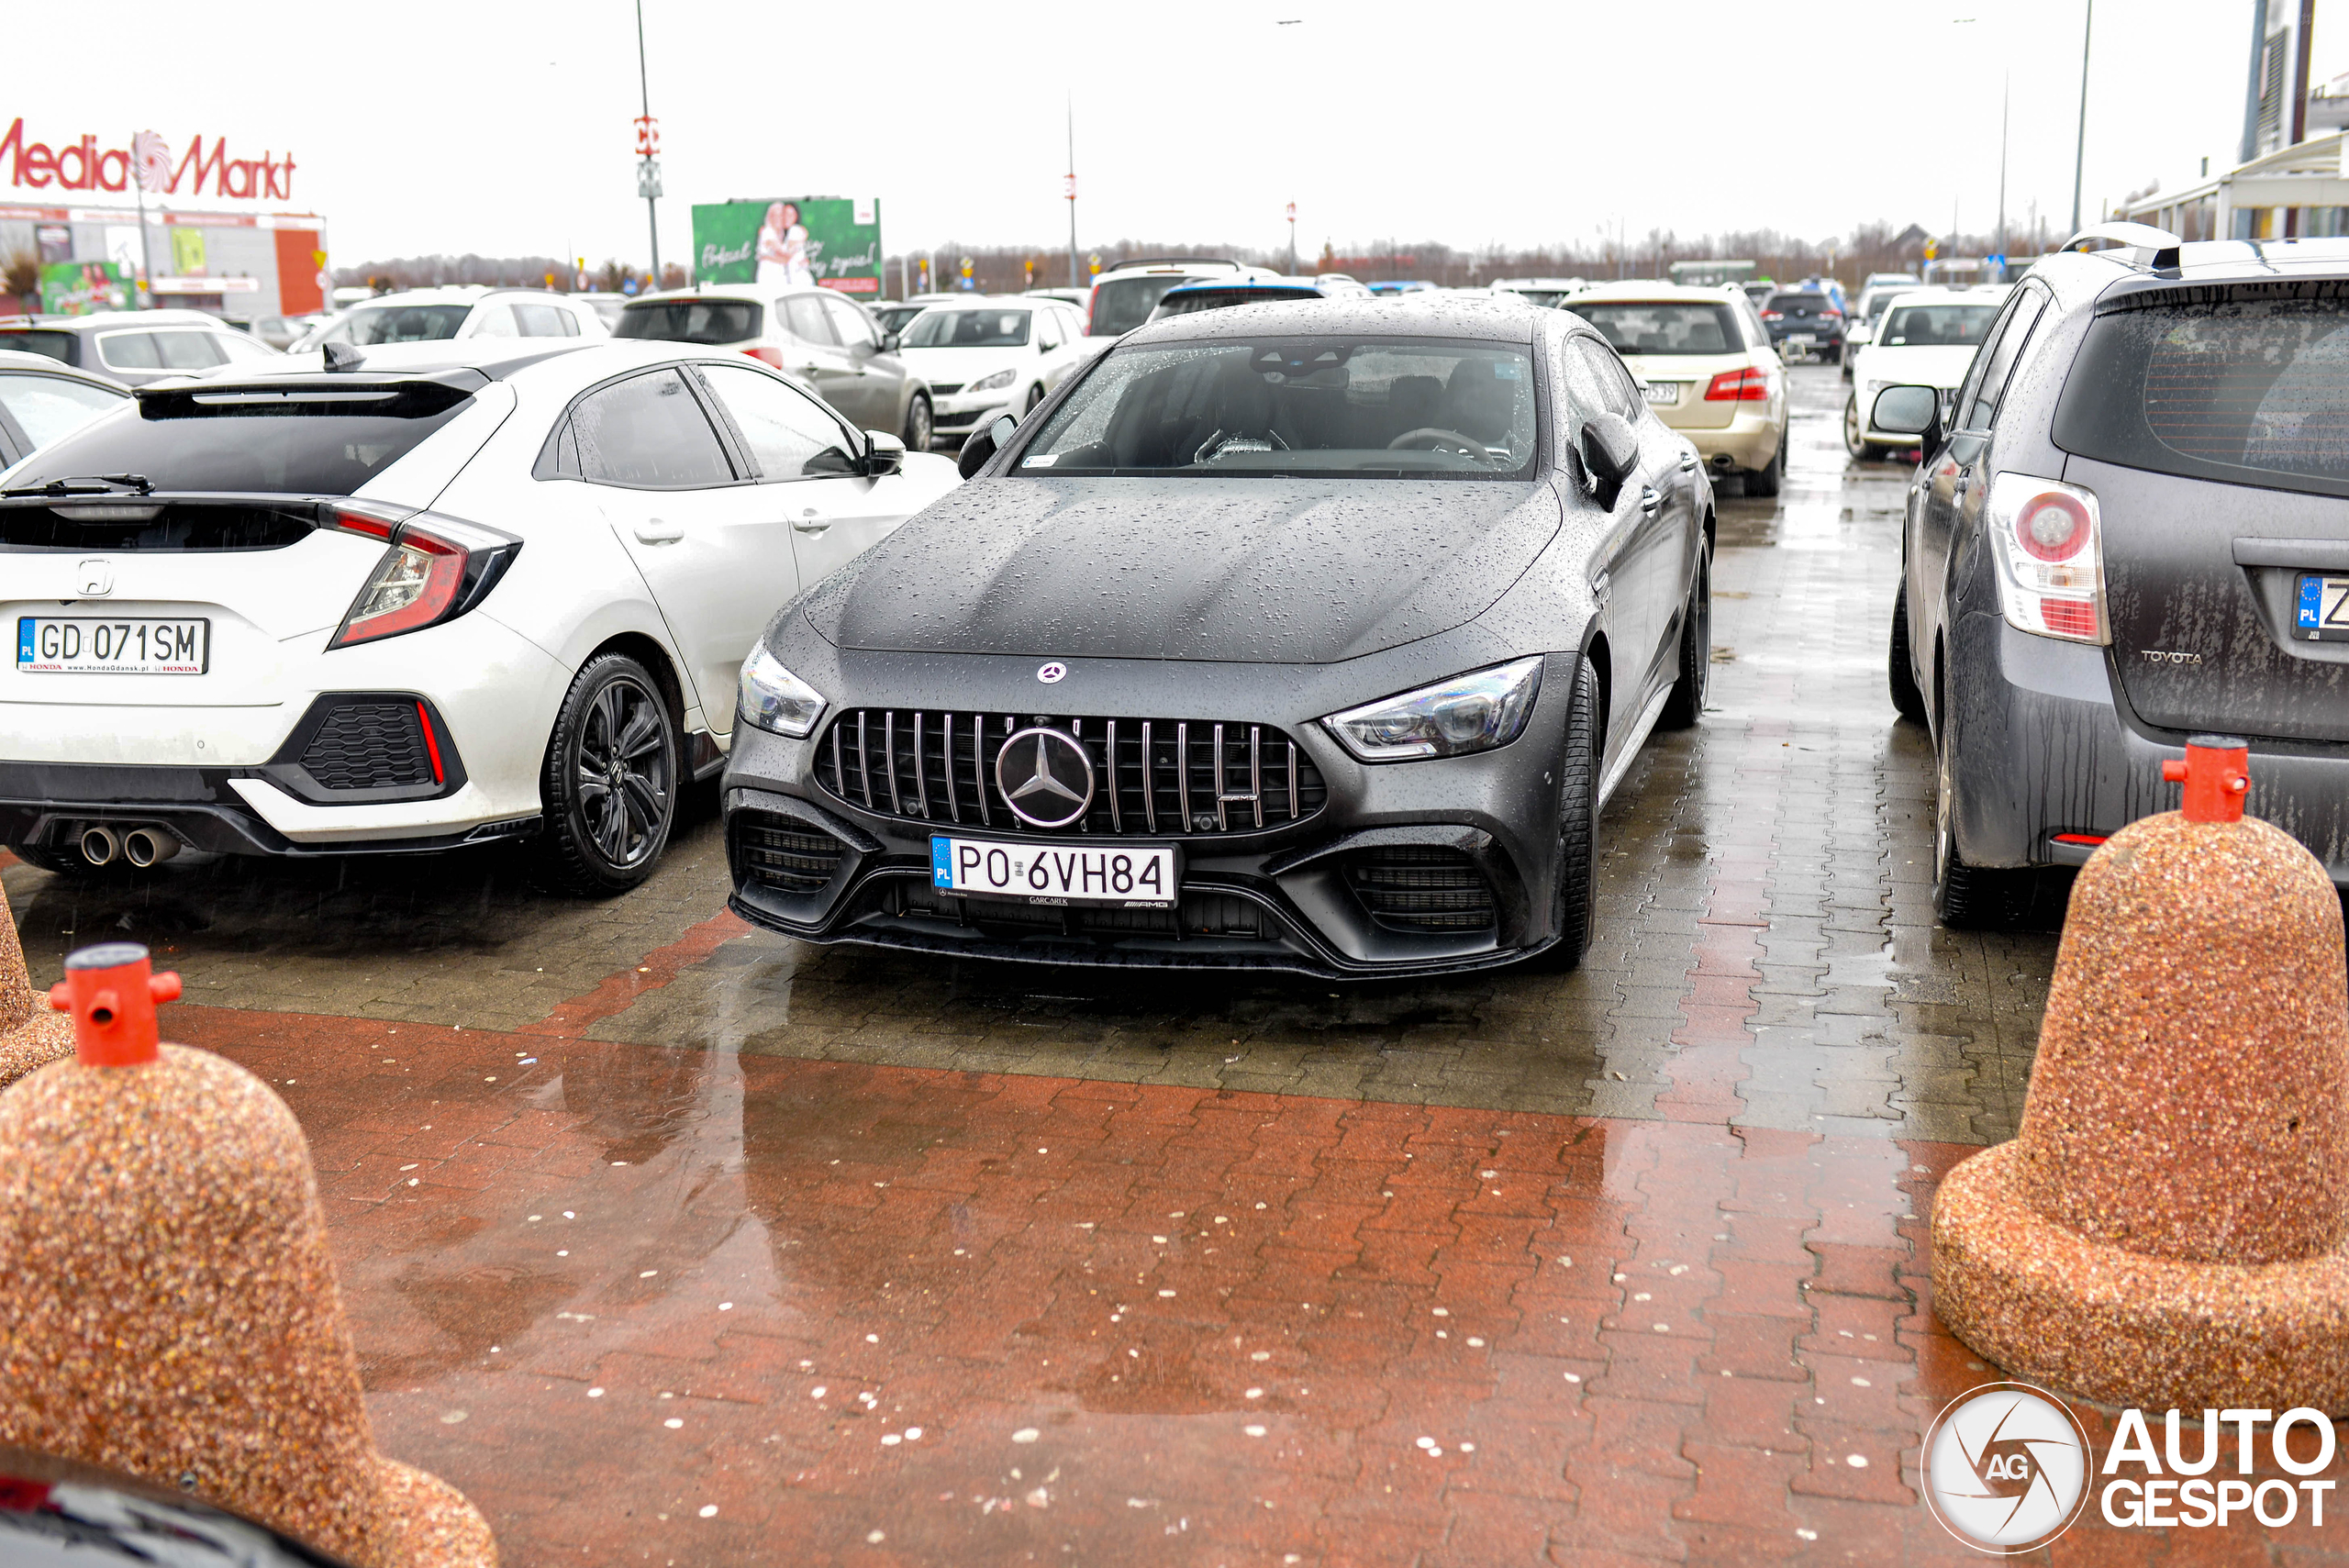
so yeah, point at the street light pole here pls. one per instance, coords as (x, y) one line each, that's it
(2006, 84)
(2080, 147)
(1292, 240)
(649, 175)
(1072, 190)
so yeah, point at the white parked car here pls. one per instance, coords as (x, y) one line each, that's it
(423, 316)
(41, 400)
(1924, 338)
(1123, 297)
(986, 355)
(430, 598)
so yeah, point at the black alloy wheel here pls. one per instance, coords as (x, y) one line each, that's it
(1900, 669)
(918, 429)
(1576, 867)
(1687, 702)
(1967, 897)
(610, 782)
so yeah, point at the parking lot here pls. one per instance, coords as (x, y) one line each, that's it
(669, 1240)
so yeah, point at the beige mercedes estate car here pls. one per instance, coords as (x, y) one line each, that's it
(1708, 368)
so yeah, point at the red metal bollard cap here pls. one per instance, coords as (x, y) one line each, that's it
(2216, 773)
(113, 997)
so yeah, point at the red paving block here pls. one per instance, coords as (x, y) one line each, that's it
(1741, 1486)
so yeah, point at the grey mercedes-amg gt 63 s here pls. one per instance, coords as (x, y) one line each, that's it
(1303, 636)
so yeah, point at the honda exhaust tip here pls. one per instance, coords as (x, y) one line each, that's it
(144, 847)
(99, 845)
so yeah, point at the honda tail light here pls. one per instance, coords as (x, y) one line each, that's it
(1751, 385)
(2050, 547)
(773, 356)
(434, 569)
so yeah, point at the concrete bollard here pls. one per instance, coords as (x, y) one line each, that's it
(30, 1035)
(2170, 1225)
(170, 1298)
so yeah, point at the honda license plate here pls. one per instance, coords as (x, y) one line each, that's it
(1125, 876)
(80, 645)
(2322, 609)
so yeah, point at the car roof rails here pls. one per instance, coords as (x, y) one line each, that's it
(2160, 244)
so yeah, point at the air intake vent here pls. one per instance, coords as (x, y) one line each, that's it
(1162, 777)
(370, 743)
(788, 856)
(1421, 889)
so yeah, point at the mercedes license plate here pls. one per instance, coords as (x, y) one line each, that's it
(1124, 876)
(2323, 610)
(1663, 392)
(80, 645)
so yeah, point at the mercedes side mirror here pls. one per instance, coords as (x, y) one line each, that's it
(983, 444)
(884, 454)
(1610, 449)
(1909, 411)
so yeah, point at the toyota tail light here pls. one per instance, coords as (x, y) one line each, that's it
(771, 355)
(1751, 385)
(434, 569)
(2048, 537)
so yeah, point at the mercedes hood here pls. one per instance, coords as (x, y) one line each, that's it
(1271, 571)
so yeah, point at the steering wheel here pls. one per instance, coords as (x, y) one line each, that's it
(1429, 438)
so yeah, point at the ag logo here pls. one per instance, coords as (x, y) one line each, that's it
(1052, 674)
(2006, 1468)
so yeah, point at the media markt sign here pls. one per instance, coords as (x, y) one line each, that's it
(830, 242)
(202, 169)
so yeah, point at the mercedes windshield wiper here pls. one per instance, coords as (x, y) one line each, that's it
(89, 484)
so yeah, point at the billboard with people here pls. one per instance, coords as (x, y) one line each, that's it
(830, 242)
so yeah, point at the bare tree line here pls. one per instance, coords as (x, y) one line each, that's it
(1004, 269)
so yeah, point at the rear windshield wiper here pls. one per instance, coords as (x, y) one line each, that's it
(90, 484)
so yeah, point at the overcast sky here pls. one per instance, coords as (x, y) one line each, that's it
(505, 130)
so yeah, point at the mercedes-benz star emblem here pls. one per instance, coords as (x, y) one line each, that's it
(1046, 777)
(1051, 673)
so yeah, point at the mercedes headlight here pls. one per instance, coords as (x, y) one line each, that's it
(774, 698)
(995, 382)
(1474, 712)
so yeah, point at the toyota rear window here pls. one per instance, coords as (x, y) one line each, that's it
(1341, 406)
(2248, 390)
(281, 441)
(710, 322)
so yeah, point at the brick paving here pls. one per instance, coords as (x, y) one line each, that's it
(671, 1241)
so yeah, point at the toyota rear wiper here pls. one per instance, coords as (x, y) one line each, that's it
(90, 484)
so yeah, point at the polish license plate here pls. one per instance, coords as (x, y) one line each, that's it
(1801, 341)
(1663, 392)
(82, 645)
(2323, 610)
(1122, 876)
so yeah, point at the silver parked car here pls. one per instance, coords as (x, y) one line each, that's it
(820, 335)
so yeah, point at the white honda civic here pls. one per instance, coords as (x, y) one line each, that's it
(427, 595)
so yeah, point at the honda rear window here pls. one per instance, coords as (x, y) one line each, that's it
(706, 321)
(1667, 328)
(247, 441)
(2250, 390)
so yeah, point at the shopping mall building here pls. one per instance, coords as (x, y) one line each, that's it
(218, 233)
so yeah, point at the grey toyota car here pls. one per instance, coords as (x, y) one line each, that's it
(2134, 527)
(1291, 636)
